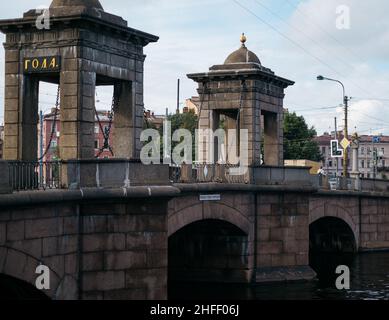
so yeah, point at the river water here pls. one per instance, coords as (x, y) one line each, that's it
(369, 275)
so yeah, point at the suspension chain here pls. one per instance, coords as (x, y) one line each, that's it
(53, 129)
(107, 131)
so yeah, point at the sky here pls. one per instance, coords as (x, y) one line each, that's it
(297, 39)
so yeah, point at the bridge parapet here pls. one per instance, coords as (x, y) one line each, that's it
(75, 174)
(352, 184)
(119, 173)
(261, 175)
(112, 173)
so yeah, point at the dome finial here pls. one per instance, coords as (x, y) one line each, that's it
(243, 39)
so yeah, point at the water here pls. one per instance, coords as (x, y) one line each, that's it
(369, 281)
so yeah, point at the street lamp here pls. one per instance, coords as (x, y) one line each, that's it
(345, 101)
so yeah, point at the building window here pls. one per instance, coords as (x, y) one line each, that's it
(53, 144)
(97, 129)
(330, 163)
(323, 150)
(96, 144)
(368, 150)
(368, 164)
(383, 163)
(383, 151)
(362, 150)
(362, 164)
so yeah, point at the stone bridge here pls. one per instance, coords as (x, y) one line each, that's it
(115, 229)
(126, 243)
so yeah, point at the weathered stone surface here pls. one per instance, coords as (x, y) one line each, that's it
(125, 260)
(44, 228)
(15, 230)
(59, 245)
(3, 233)
(93, 261)
(104, 281)
(104, 242)
(71, 264)
(68, 289)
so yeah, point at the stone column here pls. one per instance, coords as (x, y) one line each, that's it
(28, 139)
(355, 174)
(21, 111)
(12, 128)
(124, 137)
(77, 112)
(272, 141)
(138, 107)
(232, 149)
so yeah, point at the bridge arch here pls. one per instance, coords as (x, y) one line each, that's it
(15, 289)
(209, 242)
(19, 268)
(209, 251)
(326, 209)
(332, 235)
(208, 211)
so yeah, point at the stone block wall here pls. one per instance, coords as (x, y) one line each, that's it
(283, 230)
(374, 223)
(43, 234)
(114, 251)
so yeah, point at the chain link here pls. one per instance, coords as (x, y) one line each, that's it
(107, 131)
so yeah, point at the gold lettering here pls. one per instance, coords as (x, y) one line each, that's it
(35, 63)
(26, 63)
(44, 63)
(53, 63)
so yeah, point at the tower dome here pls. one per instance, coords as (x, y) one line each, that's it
(242, 55)
(90, 4)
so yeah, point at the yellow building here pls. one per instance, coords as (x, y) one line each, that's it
(315, 166)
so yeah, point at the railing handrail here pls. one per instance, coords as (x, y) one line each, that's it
(34, 175)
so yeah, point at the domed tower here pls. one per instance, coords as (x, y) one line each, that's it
(79, 46)
(243, 94)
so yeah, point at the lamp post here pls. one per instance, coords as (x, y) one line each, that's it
(345, 101)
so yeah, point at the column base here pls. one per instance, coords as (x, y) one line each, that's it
(284, 274)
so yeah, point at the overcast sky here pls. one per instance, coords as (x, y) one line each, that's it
(296, 39)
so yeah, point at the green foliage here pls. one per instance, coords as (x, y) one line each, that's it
(298, 139)
(188, 121)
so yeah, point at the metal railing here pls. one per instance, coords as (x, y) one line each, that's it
(207, 173)
(34, 175)
(353, 184)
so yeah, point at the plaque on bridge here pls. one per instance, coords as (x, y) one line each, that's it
(210, 197)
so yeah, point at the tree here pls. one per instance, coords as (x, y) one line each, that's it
(298, 139)
(188, 121)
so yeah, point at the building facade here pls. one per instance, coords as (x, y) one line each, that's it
(368, 166)
(52, 136)
(192, 104)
